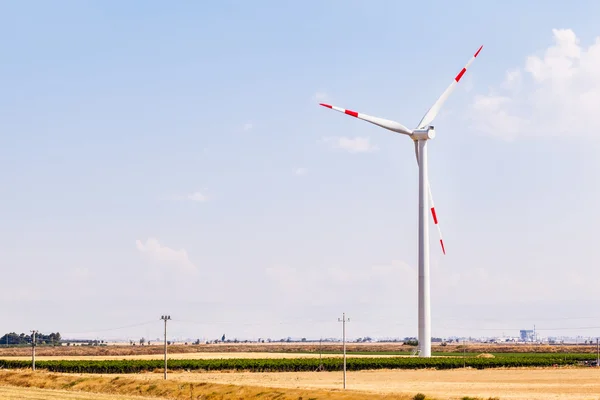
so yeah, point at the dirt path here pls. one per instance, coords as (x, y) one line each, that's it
(515, 384)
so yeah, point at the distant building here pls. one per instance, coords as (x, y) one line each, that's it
(527, 335)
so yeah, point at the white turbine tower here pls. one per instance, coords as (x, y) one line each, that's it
(420, 135)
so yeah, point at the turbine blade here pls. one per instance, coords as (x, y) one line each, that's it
(433, 111)
(384, 123)
(435, 219)
(432, 208)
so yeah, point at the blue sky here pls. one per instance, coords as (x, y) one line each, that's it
(172, 158)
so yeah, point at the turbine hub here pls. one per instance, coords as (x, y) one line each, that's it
(424, 134)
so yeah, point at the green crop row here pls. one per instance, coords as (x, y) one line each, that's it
(302, 364)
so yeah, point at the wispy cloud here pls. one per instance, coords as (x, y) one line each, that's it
(80, 273)
(196, 196)
(164, 255)
(375, 282)
(351, 145)
(550, 94)
(300, 171)
(320, 96)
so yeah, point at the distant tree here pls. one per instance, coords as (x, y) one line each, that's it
(223, 338)
(20, 339)
(142, 341)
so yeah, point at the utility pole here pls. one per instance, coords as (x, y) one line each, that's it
(597, 353)
(33, 349)
(343, 321)
(320, 367)
(165, 318)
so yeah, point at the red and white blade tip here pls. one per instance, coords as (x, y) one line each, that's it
(347, 112)
(462, 71)
(435, 221)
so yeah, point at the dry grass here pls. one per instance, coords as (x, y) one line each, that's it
(19, 393)
(514, 383)
(126, 388)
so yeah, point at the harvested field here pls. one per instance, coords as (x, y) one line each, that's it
(42, 386)
(196, 356)
(504, 384)
(20, 393)
(515, 384)
(285, 348)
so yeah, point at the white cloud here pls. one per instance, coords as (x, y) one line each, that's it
(80, 273)
(300, 171)
(164, 255)
(197, 196)
(320, 96)
(556, 93)
(351, 145)
(248, 126)
(369, 284)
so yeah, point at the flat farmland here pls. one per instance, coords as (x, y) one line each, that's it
(294, 348)
(519, 383)
(20, 393)
(516, 384)
(194, 356)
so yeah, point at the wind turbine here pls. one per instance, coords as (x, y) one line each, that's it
(420, 135)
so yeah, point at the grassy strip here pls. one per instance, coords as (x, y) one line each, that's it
(296, 365)
(176, 390)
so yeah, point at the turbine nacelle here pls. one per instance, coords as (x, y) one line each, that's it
(423, 134)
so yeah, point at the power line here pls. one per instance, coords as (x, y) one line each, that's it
(110, 329)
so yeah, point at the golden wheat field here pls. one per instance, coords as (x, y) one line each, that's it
(19, 393)
(50, 386)
(521, 384)
(515, 384)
